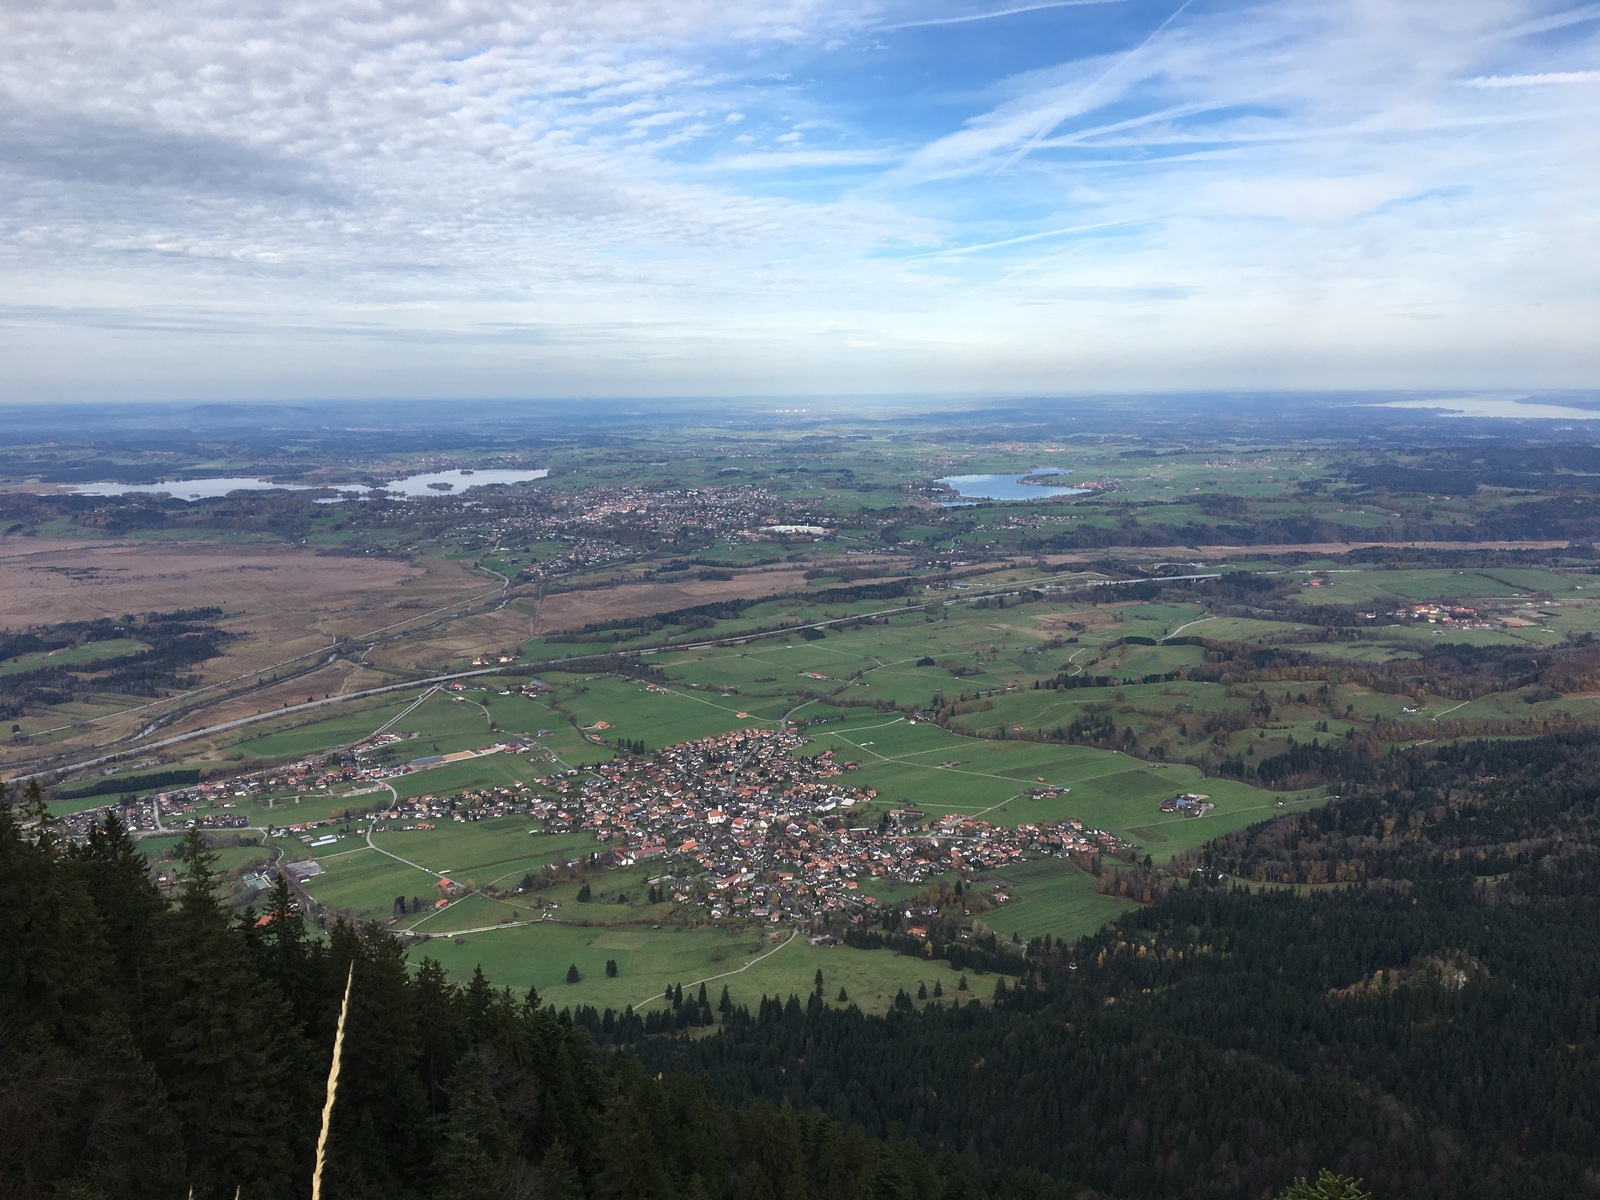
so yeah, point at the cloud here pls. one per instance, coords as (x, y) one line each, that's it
(369, 197)
(1542, 79)
(72, 148)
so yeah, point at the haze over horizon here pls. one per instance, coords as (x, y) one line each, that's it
(795, 196)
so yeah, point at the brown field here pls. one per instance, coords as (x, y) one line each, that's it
(1328, 548)
(46, 580)
(282, 602)
(572, 610)
(495, 631)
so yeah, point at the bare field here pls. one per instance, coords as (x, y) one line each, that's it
(282, 602)
(1328, 548)
(501, 630)
(571, 610)
(65, 580)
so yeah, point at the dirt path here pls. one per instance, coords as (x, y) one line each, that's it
(736, 971)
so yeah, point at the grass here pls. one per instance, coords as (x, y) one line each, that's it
(1050, 896)
(658, 718)
(72, 656)
(650, 960)
(486, 770)
(480, 853)
(299, 741)
(366, 884)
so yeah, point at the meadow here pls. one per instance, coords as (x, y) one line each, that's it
(651, 959)
(862, 688)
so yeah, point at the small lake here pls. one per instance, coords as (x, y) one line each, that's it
(1480, 406)
(411, 486)
(973, 488)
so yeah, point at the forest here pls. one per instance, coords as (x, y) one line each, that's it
(1429, 1026)
(172, 643)
(153, 1049)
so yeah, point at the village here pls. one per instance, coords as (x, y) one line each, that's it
(596, 526)
(770, 833)
(744, 826)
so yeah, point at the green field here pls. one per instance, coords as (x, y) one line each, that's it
(1050, 896)
(649, 960)
(858, 687)
(349, 725)
(72, 656)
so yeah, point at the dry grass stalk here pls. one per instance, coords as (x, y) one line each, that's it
(333, 1087)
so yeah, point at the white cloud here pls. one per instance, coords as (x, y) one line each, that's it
(371, 197)
(1542, 79)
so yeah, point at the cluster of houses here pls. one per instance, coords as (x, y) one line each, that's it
(424, 813)
(198, 803)
(744, 825)
(723, 511)
(1188, 804)
(1458, 615)
(766, 834)
(599, 525)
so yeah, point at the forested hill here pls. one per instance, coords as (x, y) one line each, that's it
(1433, 1027)
(151, 1051)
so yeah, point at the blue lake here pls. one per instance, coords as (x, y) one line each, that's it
(411, 486)
(973, 488)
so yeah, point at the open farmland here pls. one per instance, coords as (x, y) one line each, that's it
(1019, 695)
(279, 604)
(651, 959)
(575, 609)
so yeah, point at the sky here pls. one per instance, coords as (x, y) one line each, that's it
(459, 199)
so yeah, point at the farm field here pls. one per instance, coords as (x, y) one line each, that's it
(863, 687)
(72, 655)
(649, 960)
(943, 773)
(630, 711)
(347, 726)
(1052, 897)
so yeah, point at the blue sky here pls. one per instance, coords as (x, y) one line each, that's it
(365, 198)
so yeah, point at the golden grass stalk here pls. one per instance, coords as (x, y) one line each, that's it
(333, 1088)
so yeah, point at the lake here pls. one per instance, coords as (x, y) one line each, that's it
(973, 488)
(1481, 406)
(410, 486)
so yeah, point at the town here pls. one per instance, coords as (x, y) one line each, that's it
(745, 826)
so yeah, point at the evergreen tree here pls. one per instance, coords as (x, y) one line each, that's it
(220, 1045)
(1328, 1186)
(476, 1158)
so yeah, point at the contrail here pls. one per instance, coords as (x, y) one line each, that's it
(1004, 12)
(1094, 83)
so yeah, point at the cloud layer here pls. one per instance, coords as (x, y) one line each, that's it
(362, 197)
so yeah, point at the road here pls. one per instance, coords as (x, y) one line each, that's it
(370, 639)
(289, 710)
(390, 853)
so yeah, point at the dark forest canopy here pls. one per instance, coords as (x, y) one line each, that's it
(149, 1048)
(1430, 1026)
